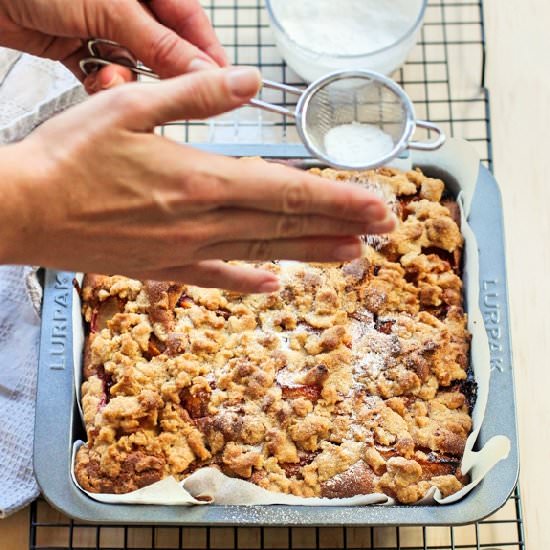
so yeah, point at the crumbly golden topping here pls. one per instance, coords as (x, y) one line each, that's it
(352, 379)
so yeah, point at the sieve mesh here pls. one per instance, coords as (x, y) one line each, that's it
(355, 100)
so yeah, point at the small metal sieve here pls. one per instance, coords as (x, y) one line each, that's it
(357, 96)
(340, 98)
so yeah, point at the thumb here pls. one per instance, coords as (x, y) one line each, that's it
(194, 96)
(156, 45)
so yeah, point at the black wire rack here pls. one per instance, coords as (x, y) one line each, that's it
(51, 530)
(443, 91)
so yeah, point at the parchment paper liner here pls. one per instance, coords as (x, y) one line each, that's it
(208, 485)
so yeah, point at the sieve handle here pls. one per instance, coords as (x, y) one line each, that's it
(282, 87)
(265, 106)
(90, 64)
(432, 145)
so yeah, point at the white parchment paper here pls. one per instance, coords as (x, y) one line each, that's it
(208, 485)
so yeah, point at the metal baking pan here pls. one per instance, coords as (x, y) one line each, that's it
(58, 422)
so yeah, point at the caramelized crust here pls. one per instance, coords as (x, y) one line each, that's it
(349, 380)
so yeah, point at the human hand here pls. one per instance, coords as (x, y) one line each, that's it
(93, 190)
(170, 36)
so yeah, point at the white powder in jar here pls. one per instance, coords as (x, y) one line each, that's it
(357, 144)
(346, 27)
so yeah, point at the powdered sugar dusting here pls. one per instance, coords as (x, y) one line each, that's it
(371, 364)
(371, 348)
(287, 378)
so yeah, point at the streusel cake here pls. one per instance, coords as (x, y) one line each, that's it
(352, 379)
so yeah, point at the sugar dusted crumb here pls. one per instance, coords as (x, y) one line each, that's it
(346, 381)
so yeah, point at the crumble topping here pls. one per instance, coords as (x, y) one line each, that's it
(352, 379)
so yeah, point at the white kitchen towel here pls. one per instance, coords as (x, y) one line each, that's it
(19, 334)
(31, 91)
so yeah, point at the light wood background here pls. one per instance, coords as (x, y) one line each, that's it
(519, 79)
(519, 51)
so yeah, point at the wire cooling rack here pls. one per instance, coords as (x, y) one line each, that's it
(52, 530)
(444, 77)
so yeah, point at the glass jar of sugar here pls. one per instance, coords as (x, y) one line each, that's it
(316, 37)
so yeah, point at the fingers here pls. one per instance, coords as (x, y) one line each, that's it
(232, 224)
(326, 249)
(218, 274)
(107, 78)
(208, 182)
(189, 20)
(256, 184)
(158, 46)
(195, 96)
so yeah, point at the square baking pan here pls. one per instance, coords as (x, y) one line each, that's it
(58, 421)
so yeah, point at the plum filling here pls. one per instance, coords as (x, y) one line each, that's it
(309, 391)
(294, 470)
(385, 326)
(468, 388)
(196, 404)
(454, 258)
(155, 347)
(225, 313)
(107, 381)
(104, 312)
(402, 203)
(184, 301)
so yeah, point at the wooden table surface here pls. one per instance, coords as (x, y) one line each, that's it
(519, 80)
(520, 92)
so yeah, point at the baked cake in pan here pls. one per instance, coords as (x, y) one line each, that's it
(352, 379)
